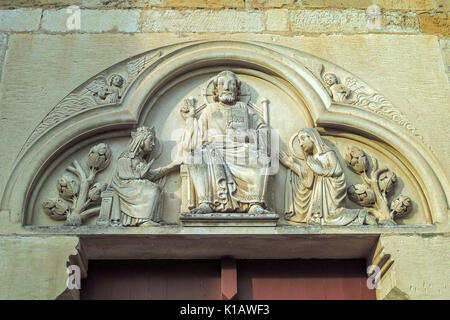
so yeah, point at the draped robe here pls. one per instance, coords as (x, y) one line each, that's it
(316, 189)
(226, 169)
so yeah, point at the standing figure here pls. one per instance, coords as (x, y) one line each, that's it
(315, 186)
(137, 194)
(227, 172)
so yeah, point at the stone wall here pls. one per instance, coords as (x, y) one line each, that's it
(406, 57)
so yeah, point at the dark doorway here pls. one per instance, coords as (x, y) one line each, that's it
(201, 279)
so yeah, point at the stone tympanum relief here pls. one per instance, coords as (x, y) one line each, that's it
(315, 186)
(378, 185)
(223, 149)
(222, 157)
(78, 192)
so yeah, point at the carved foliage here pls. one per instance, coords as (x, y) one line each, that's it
(379, 184)
(77, 193)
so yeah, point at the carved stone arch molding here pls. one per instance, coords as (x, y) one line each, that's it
(345, 110)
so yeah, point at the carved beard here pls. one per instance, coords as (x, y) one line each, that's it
(227, 97)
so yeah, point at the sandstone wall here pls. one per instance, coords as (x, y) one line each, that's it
(406, 57)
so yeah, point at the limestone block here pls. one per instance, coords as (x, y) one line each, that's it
(277, 20)
(271, 3)
(3, 47)
(92, 20)
(435, 23)
(121, 3)
(399, 22)
(351, 21)
(411, 5)
(20, 20)
(204, 4)
(445, 45)
(34, 267)
(442, 5)
(202, 21)
(328, 21)
(420, 269)
(38, 3)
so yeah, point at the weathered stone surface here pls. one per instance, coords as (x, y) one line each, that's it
(271, 3)
(92, 21)
(121, 3)
(362, 4)
(328, 21)
(421, 267)
(445, 45)
(3, 47)
(38, 3)
(442, 5)
(277, 20)
(351, 21)
(435, 23)
(34, 267)
(398, 22)
(204, 4)
(202, 21)
(20, 20)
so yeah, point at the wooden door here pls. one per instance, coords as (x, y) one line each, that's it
(205, 279)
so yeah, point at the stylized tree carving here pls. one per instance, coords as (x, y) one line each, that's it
(77, 195)
(379, 184)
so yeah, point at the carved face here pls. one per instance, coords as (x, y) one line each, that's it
(227, 89)
(148, 144)
(117, 81)
(330, 79)
(306, 143)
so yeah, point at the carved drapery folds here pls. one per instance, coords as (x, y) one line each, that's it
(225, 87)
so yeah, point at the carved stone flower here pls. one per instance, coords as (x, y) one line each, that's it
(386, 181)
(67, 187)
(361, 194)
(99, 157)
(401, 206)
(96, 191)
(356, 159)
(56, 209)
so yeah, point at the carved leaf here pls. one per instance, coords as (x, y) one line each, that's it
(387, 181)
(361, 194)
(356, 159)
(99, 157)
(96, 190)
(56, 209)
(67, 187)
(401, 206)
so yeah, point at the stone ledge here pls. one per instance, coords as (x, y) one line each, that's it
(229, 220)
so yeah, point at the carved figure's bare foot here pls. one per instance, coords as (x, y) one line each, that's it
(201, 209)
(149, 223)
(257, 209)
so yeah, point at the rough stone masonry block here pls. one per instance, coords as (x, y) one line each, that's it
(20, 20)
(38, 3)
(202, 21)
(277, 20)
(445, 45)
(271, 3)
(404, 5)
(3, 46)
(94, 21)
(435, 23)
(328, 21)
(210, 4)
(351, 21)
(121, 3)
